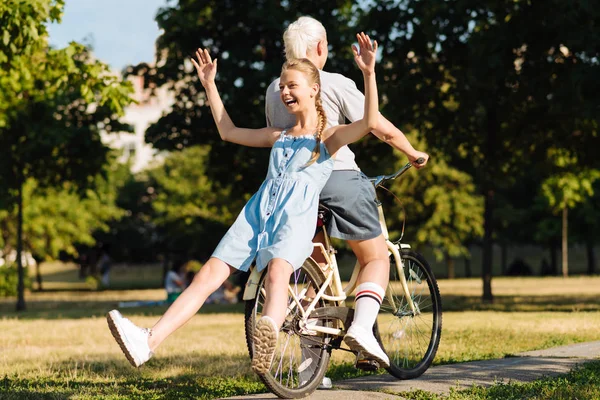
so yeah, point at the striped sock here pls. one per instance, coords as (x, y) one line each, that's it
(368, 299)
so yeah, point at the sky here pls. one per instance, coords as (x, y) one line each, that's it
(121, 32)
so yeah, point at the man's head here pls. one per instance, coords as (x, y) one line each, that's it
(306, 38)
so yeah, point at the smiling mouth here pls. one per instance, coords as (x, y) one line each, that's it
(290, 102)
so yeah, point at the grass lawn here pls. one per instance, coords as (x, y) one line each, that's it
(61, 346)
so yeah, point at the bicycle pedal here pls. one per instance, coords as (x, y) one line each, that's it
(366, 364)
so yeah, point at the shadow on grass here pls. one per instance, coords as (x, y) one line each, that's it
(192, 378)
(69, 306)
(74, 309)
(187, 386)
(522, 303)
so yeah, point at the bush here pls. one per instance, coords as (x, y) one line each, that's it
(9, 279)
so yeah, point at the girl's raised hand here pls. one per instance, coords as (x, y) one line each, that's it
(365, 56)
(205, 66)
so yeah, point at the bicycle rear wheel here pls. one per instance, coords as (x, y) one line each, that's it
(410, 338)
(300, 360)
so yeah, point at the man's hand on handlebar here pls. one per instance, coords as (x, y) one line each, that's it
(418, 159)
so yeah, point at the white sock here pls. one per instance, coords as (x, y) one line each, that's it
(368, 299)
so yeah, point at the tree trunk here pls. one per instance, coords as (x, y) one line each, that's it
(565, 243)
(591, 257)
(468, 272)
(553, 259)
(38, 274)
(504, 258)
(21, 283)
(486, 268)
(450, 266)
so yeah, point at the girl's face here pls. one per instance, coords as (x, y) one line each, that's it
(297, 94)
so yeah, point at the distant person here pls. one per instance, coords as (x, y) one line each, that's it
(227, 293)
(104, 265)
(84, 264)
(175, 281)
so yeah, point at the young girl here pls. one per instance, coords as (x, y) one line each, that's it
(277, 224)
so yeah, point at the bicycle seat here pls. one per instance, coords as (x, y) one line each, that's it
(324, 215)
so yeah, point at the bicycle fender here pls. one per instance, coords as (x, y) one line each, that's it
(252, 284)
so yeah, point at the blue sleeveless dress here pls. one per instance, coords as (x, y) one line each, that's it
(279, 220)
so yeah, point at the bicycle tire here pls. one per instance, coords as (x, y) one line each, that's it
(284, 378)
(402, 334)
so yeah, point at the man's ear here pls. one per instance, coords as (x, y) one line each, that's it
(320, 47)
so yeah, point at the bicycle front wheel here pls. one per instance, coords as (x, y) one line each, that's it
(300, 360)
(410, 337)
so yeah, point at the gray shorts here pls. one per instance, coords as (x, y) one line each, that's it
(351, 198)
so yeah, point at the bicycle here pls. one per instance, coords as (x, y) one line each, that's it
(408, 326)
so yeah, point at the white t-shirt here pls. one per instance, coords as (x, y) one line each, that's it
(341, 100)
(174, 282)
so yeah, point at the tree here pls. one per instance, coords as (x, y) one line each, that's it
(58, 220)
(23, 24)
(192, 210)
(441, 207)
(566, 189)
(54, 105)
(136, 232)
(586, 222)
(493, 84)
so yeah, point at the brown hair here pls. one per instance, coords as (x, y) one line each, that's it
(312, 74)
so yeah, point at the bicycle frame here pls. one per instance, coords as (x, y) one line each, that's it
(332, 275)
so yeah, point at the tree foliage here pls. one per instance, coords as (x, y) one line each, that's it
(493, 84)
(246, 37)
(440, 206)
(53, 103)
(191, 209)
(24, 24)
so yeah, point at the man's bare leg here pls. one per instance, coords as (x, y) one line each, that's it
(373, 279)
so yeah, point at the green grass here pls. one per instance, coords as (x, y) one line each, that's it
(583, 383)
(60, 346)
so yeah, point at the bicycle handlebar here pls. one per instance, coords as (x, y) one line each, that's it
(378, 180)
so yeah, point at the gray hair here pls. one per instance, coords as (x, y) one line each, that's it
(302, 36)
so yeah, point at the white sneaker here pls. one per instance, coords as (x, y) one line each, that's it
(132, 339)
(265, 341)
(363, 341)
(326, 383)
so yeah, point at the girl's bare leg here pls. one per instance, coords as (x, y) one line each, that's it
(277, 281)
(267, 327)
(210, 277)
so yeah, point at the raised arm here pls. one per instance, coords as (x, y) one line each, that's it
(340, 135)
(207, 70)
